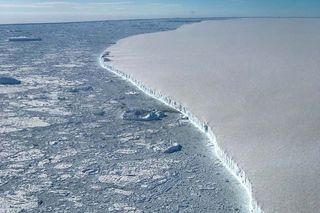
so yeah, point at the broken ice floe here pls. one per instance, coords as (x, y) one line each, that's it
(20, 200)
(122, 207)
(174, 148)
(9, 81)
(22, 156)
(135, 172)
(99, 112)
(131, 93)
(12, 124)
(122, 192)
(143, 115)
(126, 151)
(81, 88)
(91, 169)
(69, 66)
(63, 166)
(184, 117)
(24, 38)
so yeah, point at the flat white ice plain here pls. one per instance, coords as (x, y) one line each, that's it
(256, 83)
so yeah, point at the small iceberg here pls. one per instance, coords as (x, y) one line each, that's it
(14, 31)
(24, 38)
(99, 112)
(174, 148)
(143, 115)
(9, 81)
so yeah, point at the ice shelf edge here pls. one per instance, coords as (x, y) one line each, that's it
(227, 160)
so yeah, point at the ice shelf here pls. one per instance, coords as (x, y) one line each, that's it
(252, 85)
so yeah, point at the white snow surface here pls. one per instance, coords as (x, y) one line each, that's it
(255, 82)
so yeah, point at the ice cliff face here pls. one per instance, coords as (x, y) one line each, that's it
(228, 162)
(255, 84)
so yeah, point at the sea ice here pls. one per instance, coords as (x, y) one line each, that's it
(24, 38)
(9, 81)
(57, 164)
(81, 88)
(143, 115)
(174, 148)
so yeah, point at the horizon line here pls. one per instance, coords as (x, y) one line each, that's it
(160, 18)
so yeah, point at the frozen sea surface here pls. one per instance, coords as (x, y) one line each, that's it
(253, 83)
(65, 147)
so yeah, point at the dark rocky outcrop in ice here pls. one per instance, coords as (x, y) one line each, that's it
(143, 115)
(174, 148)
(105, 57)
(105, 54)
(9, 81)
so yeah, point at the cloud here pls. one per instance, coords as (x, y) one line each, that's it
(158, 4)
(112, 3)
(18, 6)
(56, 4)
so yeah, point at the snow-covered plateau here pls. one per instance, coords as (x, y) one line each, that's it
(253, 86)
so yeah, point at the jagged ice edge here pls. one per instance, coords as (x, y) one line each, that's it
(227, 160)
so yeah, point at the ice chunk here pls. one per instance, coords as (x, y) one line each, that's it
(99, 112)
(9, 81)
(91, 169)
(24, 38)
(174, 148)
(143, 115)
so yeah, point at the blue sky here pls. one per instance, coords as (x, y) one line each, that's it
(18, 11)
